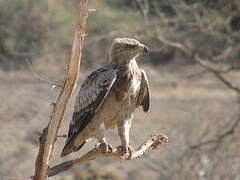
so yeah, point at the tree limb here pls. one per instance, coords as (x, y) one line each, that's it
(219, 138)
(214, 68)
(151, 143)
(48, 137)
(230, 130)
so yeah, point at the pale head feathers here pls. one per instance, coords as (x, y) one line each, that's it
(123, 50)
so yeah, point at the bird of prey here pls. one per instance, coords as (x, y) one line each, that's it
(108, 98)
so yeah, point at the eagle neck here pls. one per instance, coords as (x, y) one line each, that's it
(127, 63)
(128, 68)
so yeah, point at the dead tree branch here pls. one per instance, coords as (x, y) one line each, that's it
(213, 68)
(44, 79)
(220, 138)
(151, 143)
(230, 130)
(216, 70)
(49, 135)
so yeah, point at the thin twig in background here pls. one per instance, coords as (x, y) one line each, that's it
(219, 138)
(213, 68)
(44, 79)
(231, 130)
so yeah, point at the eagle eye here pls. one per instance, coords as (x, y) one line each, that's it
(131, 46)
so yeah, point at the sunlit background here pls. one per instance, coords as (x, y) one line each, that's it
(196, 107)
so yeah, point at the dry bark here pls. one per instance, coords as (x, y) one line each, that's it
(49, 135)
(151, 143)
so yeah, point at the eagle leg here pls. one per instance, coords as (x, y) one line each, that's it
(123, 132)
(103, 146)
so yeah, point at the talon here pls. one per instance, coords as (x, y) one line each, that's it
(104, 147)
(110, 148)
(126, 151)
(130, 151)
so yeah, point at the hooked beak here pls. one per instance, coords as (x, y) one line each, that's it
(145, 49)
(142, 49)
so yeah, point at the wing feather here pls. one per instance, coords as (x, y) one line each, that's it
(143, 99)
(91, 96)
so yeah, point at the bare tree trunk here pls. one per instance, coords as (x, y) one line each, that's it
(48, 137)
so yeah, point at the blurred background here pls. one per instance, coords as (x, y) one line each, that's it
(196, 107)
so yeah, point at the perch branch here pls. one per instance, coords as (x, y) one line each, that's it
(49, 135)
(151, 143)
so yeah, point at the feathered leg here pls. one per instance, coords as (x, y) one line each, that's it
(123, 132)
(102, 144)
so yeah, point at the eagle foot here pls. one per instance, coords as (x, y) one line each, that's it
(126, 151)
(104, 147)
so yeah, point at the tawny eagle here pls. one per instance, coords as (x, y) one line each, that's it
(108, 98)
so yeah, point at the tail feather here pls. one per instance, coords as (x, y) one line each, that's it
(69, 147)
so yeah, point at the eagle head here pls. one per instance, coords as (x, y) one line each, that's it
(125, 49)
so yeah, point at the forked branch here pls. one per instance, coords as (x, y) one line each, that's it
(151, 143)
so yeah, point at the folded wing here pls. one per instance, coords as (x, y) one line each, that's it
(143, 98)
(91, 96)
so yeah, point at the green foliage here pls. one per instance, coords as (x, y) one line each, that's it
(28, 27)
(32, 29)
(21, 30)
(112, 17)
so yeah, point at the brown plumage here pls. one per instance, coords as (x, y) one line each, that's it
(108, 98)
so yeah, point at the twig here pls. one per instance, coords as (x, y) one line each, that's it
(191, 76)
(221, 137)
(151, 143)
(53, 84)
(62, 136)
(226, 82)
(214, 68)
(213, 141)
(49, 135)
(217, 140)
